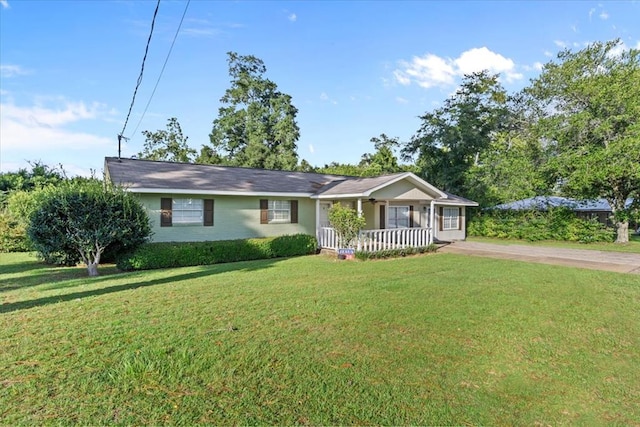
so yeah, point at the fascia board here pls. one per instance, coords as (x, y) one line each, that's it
(214, 192)
(453, 203)
(339, 196)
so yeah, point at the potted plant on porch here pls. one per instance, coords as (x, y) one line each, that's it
(347, 224)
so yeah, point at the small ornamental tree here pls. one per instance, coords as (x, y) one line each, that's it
(79, 221)
(346, 222)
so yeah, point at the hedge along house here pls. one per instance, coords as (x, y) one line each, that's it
(193, 202)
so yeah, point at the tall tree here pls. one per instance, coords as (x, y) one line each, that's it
(383, 160)
(514, 164)
(256, 126)
(168, 145)
(451, 138)
(590, 115)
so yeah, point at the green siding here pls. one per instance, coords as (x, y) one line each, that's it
(236, 217)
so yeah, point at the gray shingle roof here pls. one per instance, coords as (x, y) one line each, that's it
(158, 177)
(153, 175)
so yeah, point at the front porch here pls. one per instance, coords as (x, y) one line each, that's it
(378, 240)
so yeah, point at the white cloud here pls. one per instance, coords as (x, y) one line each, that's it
(591, 12)
(574, 28)
(201, 32)
(8, 71)
(324, 96)
(311, 149)
(538, 66)
(401, 100)
(560, 44)
(42, 128)
(431, 70)
(292, 17)
(5, 4)
(604, 15)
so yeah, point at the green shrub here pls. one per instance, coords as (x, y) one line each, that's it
(532, 225)
(394, 253)
(174, 254)
(13, 234)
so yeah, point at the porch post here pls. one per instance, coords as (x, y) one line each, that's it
(359, 207)
(318, 222)
(432, 220)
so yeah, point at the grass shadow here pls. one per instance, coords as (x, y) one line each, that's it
(207, 271)
(43, 274)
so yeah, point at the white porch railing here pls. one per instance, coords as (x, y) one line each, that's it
(378, 240)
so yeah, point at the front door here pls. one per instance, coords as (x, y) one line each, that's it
(324, 214)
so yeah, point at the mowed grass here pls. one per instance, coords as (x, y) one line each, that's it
(439, 339)
(632, 247)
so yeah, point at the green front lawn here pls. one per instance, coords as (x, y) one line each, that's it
(633, 246)
(439, 339)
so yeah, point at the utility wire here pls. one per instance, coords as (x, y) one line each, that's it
(163, 67)
(153, 22)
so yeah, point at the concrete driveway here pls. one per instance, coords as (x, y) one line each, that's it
(583, 258)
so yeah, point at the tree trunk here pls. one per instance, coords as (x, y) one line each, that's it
(93, 269)
(622, 230)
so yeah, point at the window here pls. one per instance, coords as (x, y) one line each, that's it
(450, 218)
(398, 217)
(278, 211)
(186, 212)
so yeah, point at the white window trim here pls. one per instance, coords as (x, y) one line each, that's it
(447, 218)
(272, 209)
(395, 225)
(193, 205)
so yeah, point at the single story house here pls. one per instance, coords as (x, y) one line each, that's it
(585, 209)
(194, 202)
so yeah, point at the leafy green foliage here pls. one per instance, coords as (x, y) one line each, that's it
(382, 161)
(167, 145)
(256, 126)
(78, 222)
(14, 220)
(451, 138)
(39, 176)
(589, 102)
(395, 253)
(347, 224)
(535, 225)
(168, 255)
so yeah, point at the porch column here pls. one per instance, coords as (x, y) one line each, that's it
(318, 221)
(359, 207)
(432, 220)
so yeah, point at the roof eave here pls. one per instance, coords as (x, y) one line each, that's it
(214, 192)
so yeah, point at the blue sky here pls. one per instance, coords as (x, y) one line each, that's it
(354, 69)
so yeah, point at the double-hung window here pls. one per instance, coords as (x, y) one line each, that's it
(187, 211)
(450, 218)
(279, 211)
(398, 217)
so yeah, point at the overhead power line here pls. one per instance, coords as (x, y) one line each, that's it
(133, 100)
(163, 67)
